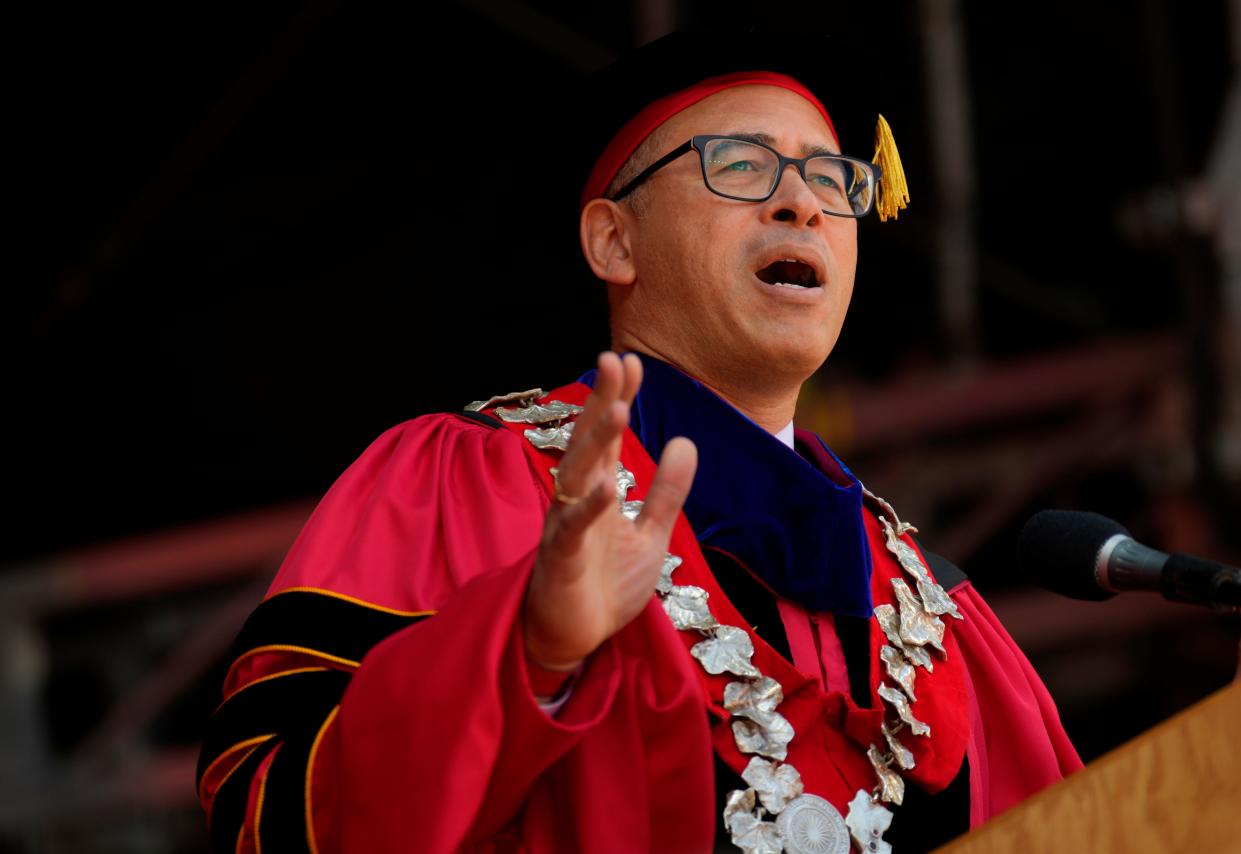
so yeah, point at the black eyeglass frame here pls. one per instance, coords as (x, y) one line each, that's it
(699, 144)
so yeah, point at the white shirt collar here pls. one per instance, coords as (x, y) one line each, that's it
(786, 434)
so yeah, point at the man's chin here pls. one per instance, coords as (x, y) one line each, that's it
(786, 358)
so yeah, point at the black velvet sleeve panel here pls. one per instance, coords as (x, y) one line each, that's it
(283, 715)
(320, 622)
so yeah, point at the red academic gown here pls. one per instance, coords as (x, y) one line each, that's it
(379, 699)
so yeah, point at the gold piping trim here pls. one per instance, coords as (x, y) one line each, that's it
(310, 764)
(271, 676)
(252, 743)
(352, 600)
(283, 647)
(258, 805)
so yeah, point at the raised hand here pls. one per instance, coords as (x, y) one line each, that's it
(595, 569)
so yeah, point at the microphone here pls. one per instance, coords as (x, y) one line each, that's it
(1089, 556)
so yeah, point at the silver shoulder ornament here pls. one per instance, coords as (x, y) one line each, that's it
(551, 438)
(518, 397)
(554, 411)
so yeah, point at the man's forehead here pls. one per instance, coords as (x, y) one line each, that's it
(768, 114)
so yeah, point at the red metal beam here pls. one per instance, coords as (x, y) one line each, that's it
(156, 563)
(892, 413)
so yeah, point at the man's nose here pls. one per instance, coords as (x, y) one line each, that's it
(793, 202)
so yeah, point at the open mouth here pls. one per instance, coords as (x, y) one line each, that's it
(789, 273)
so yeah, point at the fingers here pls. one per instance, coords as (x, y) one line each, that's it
(671, 486)
(595, 446)
(571, 521)
(615, 379)
(631, 379)
(591, 457)
(608, 384)
(590, 462)
(631, 367)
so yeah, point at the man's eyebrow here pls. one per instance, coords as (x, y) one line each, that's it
(754, 136)
(813, 150)
(769, 140)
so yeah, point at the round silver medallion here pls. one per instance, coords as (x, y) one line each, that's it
(811, 825)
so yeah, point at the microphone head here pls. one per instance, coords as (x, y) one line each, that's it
(1059, 549)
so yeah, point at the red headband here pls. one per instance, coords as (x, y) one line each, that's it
(629, 137)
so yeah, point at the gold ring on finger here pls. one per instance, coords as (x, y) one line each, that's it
(568, 500)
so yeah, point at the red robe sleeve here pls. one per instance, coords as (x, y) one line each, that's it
(1017, 744)
(379, 698)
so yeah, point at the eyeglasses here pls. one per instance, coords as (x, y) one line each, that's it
(749, 171)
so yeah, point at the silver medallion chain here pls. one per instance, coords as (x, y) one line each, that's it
(804, 823)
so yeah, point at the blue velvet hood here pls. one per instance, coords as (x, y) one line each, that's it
(794, 523)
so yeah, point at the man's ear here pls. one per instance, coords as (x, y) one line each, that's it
(605, 230)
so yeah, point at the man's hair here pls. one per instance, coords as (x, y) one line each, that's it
(646, 153)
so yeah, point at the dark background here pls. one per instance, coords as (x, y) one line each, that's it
(249, 240)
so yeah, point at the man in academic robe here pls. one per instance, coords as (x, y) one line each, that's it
(510, 629)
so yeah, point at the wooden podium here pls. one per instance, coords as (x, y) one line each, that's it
(1174, 788)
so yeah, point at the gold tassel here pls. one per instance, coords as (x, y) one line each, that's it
(893, 195)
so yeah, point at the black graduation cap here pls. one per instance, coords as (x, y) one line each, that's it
(837, 72)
